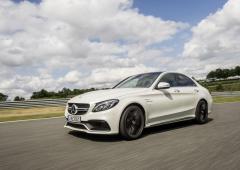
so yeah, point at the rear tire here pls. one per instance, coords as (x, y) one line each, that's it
(202, 112)
(132, 123)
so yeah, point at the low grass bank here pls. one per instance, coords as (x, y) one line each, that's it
(225, 87)
(30, 113)
(223, 99)
(222, 85)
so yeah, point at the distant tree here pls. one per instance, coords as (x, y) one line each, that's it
(3, 97)
(219, 73)
(64, 92)
(17, 98)
(232, 72)
(237, 70)
(41, 94)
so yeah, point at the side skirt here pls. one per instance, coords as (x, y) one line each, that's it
(170, 121)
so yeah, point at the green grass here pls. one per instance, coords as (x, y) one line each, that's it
(223, 99)
(228, 85)
(30, 113)
(212, 83)
(12, 118)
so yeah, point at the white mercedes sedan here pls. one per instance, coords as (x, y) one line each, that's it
(138, 102)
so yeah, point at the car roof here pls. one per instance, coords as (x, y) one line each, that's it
(154, 72)
(160, 72)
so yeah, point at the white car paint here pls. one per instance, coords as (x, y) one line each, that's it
(160, 106)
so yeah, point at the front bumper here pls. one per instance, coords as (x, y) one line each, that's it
(94, 126)
(104, 122)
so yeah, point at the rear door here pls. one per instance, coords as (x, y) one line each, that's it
(187, 91)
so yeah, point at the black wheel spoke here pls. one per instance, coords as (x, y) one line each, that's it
(132, 130)
(133, 122)
(128, 123)
(202, 112)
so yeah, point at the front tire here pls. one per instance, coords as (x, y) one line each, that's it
(132, 123)
(202, 112)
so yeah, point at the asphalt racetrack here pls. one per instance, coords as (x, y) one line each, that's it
(45, 144)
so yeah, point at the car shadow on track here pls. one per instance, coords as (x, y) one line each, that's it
(171, 126)
(146, 132)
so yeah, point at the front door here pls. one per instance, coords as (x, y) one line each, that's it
(164, 102)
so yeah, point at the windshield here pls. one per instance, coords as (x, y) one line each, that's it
(139, 81)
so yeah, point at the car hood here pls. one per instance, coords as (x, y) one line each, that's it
(101, 95)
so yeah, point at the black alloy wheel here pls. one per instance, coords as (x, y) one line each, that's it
(132, 122)
(202, 112)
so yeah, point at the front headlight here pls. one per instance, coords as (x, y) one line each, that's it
(105, 105)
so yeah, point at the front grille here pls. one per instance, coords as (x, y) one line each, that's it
(82, 108)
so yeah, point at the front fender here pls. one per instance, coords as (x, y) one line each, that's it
(136, 100)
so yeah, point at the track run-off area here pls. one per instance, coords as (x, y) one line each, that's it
(45, 144)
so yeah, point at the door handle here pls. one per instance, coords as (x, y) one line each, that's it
(176, 90)
(148, 100)
(196, 90)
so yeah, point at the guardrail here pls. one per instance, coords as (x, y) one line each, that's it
(33, 103)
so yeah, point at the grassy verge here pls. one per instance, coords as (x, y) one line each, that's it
(226, 85)
(223, 99)
(30, 113)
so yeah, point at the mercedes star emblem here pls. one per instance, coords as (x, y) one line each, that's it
(74, 109)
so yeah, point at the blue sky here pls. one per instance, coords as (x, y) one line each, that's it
(191, 11)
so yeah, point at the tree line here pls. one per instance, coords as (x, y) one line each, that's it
(224, 73)
(64, 93)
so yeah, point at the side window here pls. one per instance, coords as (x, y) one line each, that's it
(183, 80)
(169, 78)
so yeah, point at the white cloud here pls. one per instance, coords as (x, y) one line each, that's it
(215, 41)
(110, 20)
(24, 85)
(76, 43)
(71, 77)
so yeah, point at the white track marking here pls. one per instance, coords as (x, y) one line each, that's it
(227, 103)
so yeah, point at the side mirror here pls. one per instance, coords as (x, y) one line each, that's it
(163, 85)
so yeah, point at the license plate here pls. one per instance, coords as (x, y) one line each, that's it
(74, 118)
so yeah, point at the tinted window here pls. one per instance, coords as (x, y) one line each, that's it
(183, 80)
(169, 78)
